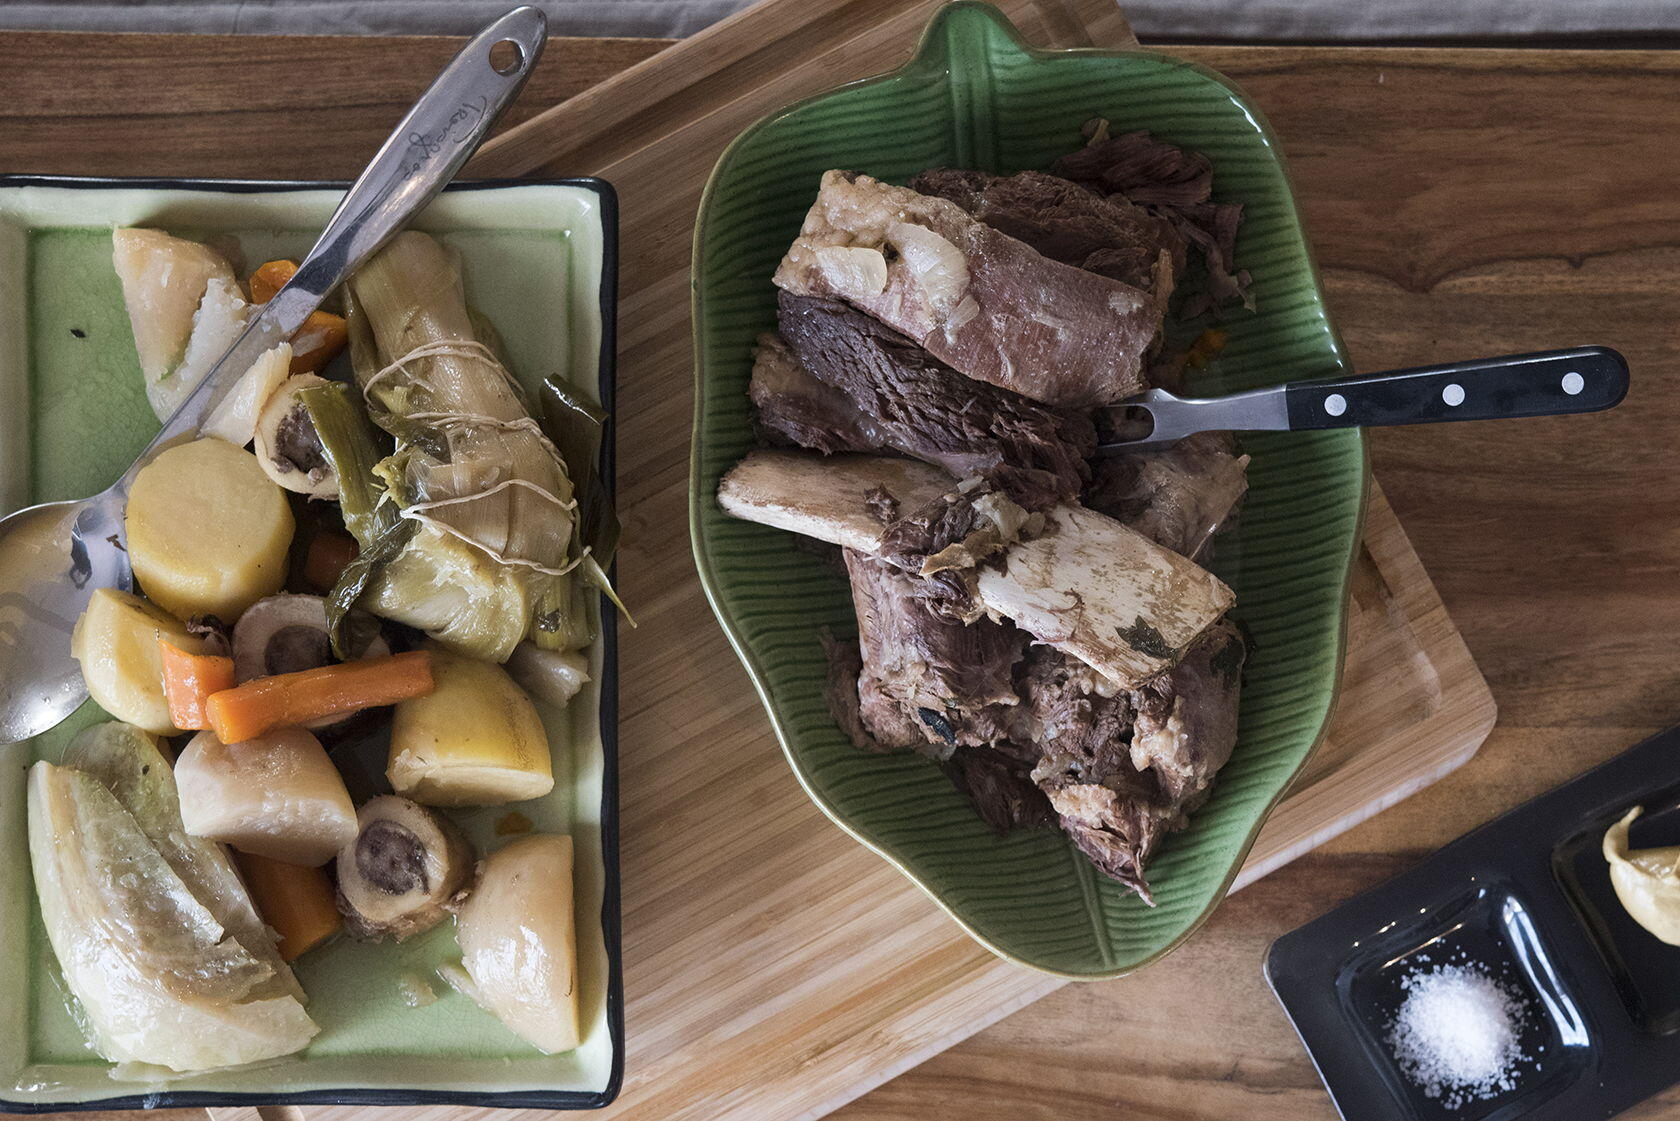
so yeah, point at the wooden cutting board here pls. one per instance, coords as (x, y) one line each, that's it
(773, 968)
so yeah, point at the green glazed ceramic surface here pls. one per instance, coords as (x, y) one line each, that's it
(976, 96)
(73, 415)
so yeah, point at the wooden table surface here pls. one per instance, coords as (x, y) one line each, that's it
(1461, 202)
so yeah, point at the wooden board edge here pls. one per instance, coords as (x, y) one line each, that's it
(623, 101)
(935, 1044)
(1457, 728)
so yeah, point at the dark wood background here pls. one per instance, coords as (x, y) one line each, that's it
(1461, 202)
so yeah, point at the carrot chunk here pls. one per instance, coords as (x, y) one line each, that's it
(296, 902)
(188, 682)
(330, 552)
(322, 335)
(270, 277)
(247, 711)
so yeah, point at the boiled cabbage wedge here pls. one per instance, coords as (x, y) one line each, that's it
(129, 763)
(469, 527)
(161, 981)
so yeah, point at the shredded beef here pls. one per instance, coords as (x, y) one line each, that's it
(1000, 788)
(882, 504)
(924, 409)
(1080, 733)
(946, 540)
(1175, 184)
(1068, 223)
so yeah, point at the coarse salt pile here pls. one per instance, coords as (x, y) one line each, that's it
(1457, 1034)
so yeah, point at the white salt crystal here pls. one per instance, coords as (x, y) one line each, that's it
(1457, 1034)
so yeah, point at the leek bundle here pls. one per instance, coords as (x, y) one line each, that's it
(469, 528)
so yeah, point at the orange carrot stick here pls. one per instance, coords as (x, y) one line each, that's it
(188, 681)
(297, 902)
(322, 335)
(247, 711)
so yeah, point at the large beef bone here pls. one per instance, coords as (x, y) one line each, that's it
(1088, 585)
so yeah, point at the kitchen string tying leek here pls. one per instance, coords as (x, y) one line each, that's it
(469, 527)
(418, 511)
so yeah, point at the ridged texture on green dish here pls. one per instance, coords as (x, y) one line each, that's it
(975, 97)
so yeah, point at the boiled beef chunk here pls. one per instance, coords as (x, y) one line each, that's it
(793, 407)
(920, 407)
(1117, 824)
(1117, 796)
(927, 683)
(845, 666)
(1000, 788)
(1178, 495)
(978, 300)
(1187, 718)
(1068, 223)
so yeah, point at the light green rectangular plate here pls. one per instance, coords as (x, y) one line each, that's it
(73, 414)
(976, 96)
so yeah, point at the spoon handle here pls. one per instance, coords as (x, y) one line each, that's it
(444, 128)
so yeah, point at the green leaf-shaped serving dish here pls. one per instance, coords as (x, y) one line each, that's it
(977, 96)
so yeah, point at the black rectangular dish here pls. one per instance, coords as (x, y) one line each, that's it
(1527, 901)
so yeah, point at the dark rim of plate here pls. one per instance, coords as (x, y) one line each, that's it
(611, 916)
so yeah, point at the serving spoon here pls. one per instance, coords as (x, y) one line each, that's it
(1547, 383)
(55, 555)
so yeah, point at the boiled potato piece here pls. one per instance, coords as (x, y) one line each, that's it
(475, 740)
(116, 642)
(277, 796)
(207, 530)
(163, 281)
(518, 941)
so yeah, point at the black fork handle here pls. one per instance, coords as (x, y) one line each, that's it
(1549, 383)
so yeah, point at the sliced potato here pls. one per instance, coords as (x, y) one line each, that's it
(163, 280)
(116, 642)
(475, 740)
(277, 796)
(519, 942)
(207, 530)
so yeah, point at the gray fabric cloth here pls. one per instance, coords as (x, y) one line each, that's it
(656, 18)
(1153, 19)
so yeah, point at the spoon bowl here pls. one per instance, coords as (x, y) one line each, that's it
(52, 557)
